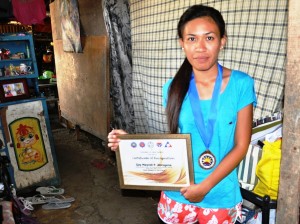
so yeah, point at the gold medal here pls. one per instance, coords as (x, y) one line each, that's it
(207, 160)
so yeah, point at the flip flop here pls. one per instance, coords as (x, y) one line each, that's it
(61, 200)
(51, 190)
(38, 199)
(24, 206)
(52, 206)
(42, 199)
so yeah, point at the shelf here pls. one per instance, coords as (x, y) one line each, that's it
(4, 104)
(28, 112)
(43, 39)
(15, 37)
(50, 91)
(51, 99)
(15, 44)
(28, 76)
(15, 60)
(48, 85)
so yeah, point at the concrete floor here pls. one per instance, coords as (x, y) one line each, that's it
(89, 175)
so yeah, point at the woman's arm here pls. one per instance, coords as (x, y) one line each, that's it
(113, 140)
(196, 192)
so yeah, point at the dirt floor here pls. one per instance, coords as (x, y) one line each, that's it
(89, 174)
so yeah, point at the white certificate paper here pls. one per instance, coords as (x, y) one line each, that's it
(155, 161)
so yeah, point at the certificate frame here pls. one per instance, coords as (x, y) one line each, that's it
(155, 161)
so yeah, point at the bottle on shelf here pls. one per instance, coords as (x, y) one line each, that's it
(27, 51)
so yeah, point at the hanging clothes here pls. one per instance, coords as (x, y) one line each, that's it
(29, 12)
(117, 21)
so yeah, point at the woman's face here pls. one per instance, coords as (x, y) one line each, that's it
(202, 43)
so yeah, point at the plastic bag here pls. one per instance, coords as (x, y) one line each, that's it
(268, 170)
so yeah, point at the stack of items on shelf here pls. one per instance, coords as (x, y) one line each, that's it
(18, 69)
(259, 171)
(25, 132)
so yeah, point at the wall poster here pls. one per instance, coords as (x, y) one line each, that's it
(28, 143)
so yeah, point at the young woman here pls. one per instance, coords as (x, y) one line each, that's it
(215, 105)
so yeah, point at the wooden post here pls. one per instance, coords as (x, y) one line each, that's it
(288, 198)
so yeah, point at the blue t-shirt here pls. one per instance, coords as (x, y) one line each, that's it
(238, 93)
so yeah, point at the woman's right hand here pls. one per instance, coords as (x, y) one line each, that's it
(113, 140)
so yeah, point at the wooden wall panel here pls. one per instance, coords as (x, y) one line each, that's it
(289, 187)
(82, 78)
(82, 83)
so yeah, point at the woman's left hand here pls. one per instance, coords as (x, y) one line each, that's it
(193, 193)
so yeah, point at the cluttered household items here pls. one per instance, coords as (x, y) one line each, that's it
(17, 209)
(259, 171)
(27, 155)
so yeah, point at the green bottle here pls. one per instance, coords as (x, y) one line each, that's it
(27, 51)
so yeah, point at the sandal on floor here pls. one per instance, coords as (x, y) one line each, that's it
(38, 199)
(50, 190)
(22, 205)
(42, 199)
(60, 199)
(51, 206)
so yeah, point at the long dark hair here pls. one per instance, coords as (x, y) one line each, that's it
(181, 81)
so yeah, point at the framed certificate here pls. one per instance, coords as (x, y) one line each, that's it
(155, 161)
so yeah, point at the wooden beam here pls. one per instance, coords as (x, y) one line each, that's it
(288, 198)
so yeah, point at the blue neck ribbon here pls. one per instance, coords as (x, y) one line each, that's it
(206, 131)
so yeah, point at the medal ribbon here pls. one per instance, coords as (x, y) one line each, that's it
(206, 131)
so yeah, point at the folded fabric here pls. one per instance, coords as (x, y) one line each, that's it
(247, 167)
(260, 132)
(29, 12)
